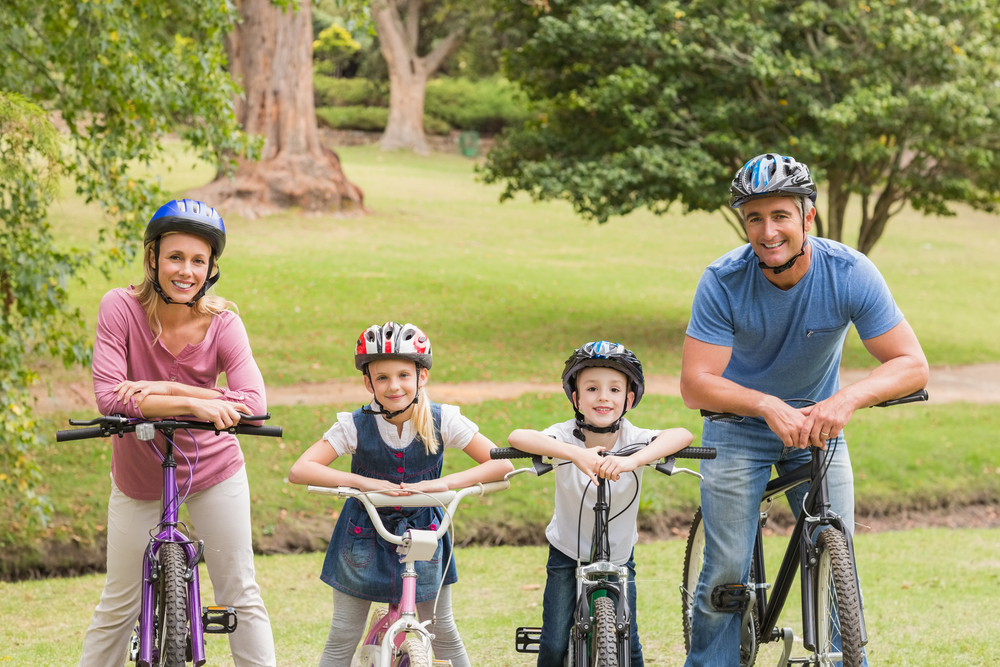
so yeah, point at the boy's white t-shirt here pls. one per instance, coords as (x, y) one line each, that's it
(457, 431)
(571, 483)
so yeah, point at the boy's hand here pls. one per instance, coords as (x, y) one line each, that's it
(587, 459)
(611, 467)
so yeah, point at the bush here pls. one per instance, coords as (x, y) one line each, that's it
(332, 92)
(371, 119)
(487, 105)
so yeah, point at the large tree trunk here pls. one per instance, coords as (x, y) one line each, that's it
(270, 54)
(408, 73)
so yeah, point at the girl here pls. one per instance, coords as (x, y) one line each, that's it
(159, 350)
(396, 445)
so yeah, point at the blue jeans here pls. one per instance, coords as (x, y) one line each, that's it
(558, 606)
(730, 501)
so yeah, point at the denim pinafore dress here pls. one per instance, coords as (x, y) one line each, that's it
(358, 561)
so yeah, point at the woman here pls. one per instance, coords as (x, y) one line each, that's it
(159, 350)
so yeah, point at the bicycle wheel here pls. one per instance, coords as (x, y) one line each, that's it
(838, 615)
(170, 622)
(694, 558)
(413, 654)
(603, 638)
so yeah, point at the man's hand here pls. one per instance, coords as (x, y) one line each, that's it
(824, 420)
(786, 422)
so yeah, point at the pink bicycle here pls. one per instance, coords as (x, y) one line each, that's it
(395, 638)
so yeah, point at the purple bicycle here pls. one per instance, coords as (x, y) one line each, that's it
(172, 625)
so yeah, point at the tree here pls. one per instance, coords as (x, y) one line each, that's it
(647, 103)
(270, 53)
(122, 76)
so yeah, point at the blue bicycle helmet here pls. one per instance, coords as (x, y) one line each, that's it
(189, 216)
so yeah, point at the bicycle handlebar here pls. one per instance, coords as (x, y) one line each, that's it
(448, 500)
(686, 453)
(915, 397)
(119, 425)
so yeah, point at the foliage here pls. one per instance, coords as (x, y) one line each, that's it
(121, 76)
(486, 105)
(335, 46)
(371, 119)
(645, 103)
(35, 316)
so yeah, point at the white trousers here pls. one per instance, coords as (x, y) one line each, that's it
(221, 515)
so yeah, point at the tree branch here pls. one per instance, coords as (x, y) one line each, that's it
(413, 24)
(444, 48)
(732, 219)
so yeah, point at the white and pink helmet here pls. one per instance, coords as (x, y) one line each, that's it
(392, 341)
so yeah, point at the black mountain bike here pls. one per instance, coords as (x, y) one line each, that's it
(821, 547)
(601, 632)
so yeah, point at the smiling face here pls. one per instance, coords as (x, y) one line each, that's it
(602, 395)
(394, 383)
(774, 228)
(183, 265)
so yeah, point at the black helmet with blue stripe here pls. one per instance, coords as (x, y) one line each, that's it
(771, 175)
(188, 216)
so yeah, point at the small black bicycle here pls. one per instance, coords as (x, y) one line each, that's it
(820, 546)
(601, 632)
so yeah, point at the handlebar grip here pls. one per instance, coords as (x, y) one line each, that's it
(270, 431)
(696, 453)
(915, 397)
(255, 418)
(508, 453)
(495, 487)
(79, 434)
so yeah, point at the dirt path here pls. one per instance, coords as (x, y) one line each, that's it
(978, 383)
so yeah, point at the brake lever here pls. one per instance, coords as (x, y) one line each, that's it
(668, 468)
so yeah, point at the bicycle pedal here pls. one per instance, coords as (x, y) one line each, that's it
(527, 640)
(731, 597)
(218, 620)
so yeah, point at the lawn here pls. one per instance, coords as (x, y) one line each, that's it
(919, 605)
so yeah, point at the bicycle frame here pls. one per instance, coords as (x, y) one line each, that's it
(414, 545)
(170, 533)
(800, 553)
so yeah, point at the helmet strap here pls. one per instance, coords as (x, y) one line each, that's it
(787, 265)
(205, 286)
(582, 425)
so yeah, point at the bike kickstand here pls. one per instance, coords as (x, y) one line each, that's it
(787, 637)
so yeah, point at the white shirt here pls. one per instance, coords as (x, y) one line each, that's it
(456, 431)
(572, 483)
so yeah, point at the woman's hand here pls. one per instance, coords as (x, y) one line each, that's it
(140, 389)
(221, 413)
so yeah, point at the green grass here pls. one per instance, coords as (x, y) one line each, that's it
(506, 291)
(918, 603)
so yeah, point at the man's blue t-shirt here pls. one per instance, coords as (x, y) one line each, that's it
(788, 343)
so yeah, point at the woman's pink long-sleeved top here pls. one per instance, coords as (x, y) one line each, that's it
(124, 350)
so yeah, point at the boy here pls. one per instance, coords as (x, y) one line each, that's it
(602, 380)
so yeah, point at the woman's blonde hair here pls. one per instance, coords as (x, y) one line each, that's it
(210, 304)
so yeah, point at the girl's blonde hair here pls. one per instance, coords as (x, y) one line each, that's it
(423, 421)
(210, 304)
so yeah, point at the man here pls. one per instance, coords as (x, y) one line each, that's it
(768, 323)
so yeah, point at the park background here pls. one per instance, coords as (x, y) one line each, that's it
(505, 292)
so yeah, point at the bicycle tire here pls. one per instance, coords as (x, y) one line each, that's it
(694, 558)
(838, 613)
(603, 638)
(170, 622)
(412, 653)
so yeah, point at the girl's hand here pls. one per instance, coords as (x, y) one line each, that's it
(426, 486)
(613, 466)
(380, 485)
(140, 389)
(221, 413)
(587, 459)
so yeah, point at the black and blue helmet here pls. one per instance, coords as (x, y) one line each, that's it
(190, 216)
(771, 175)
